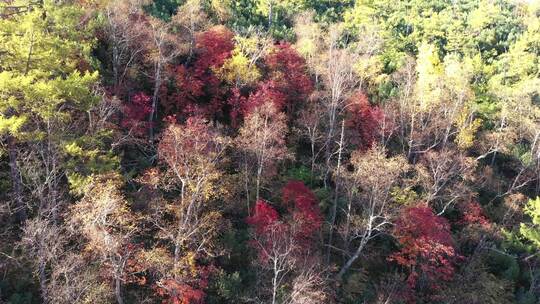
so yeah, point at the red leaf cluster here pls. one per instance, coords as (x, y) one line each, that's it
(473, 214)
(364, 120)
(288, 70)
(176, 292)
(199, 90)
(213, 47)
(267, 91)
(305, 211)
(301, 222)
(427, 247)
(263, 217)
(287, 83)
(135, 114)
(185, 291)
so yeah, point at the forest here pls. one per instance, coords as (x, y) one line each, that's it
(269, 151)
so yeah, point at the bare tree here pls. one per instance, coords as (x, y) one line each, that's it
(44, 243)
(125, 33)
(369, 211)
(190, 18)
(443, 175)
(163, 46)
(103, 218)
(277, 254)
(192, 154)
(310, 285)
(262, 142)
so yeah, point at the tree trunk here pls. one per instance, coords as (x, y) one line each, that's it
(153, 111)
(258, 183)
(118, 291)
(365, 238)
(43, 283)
(20, 213)
(274, 283)
(336, 193)
(353, 258)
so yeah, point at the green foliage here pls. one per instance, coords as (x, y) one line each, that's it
(163, 9)
(301, 173)
(531, 231)
(405, 196)
(503, 265)
(228, 286)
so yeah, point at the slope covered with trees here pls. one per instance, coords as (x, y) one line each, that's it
(265, 151)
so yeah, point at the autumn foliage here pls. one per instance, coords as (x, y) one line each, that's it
(365, 121)
(270, 151)
(199, 90)
(300, 223)
(288, 72)
(303, 206)
(427, 249)
(264, 216)
(473, 214)
(136, 114)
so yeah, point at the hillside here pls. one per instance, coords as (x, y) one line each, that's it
(270, 151)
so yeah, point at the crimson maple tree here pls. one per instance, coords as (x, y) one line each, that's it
(303, 206)
(302, 220)
(364, 120)
(135, 114)
(427, 248)
(287, 83)
(472, 213)
(199, 90)
(289, 72)
(263, 217)
(185, 291)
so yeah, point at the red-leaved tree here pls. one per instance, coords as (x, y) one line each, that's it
(364, 121)
(427, 248)
(135, 119)
(283, 242)
(287, 69)
(199, 90)
(303, 207)
(191, 291)
(287, 83)
(473, 214)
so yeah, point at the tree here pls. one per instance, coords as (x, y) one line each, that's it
(241, 69)
(64, 274)
(104, 219)
(275, 244)
(340, 80)
(162, 48)
(304, 211)
(365, 121)
(191, 18)
(427, 249)
(282, 242)
(44, 248)
(199, 90)
(135, 114)
(124, 32)
(191, 154)
(369, 209)
(262, 145)
(288, 70)
(43, 84)
(443, 175)
(311, 125)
